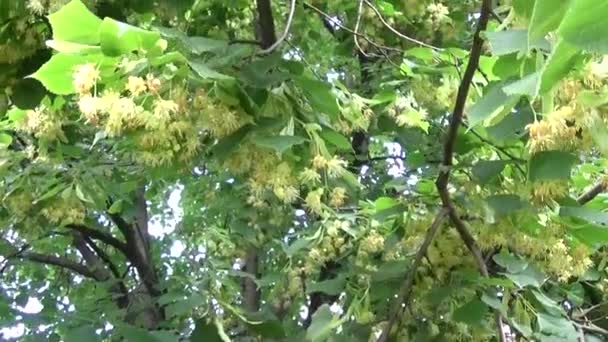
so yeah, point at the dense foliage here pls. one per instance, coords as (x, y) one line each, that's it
(344, 170)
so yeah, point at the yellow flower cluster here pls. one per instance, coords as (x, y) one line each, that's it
(334, 167)
(557, 131)
(438, 14)
(544, 192)
(43, 124)
(64, 211)
(166, 131)
(548, 250)
(218, 118)
(332, 245)
(19, 204)
(406, 111)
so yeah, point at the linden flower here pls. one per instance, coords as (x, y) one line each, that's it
(598, 70)
(88, 106)
(544, 192)
(84, 77)
(136, 85)
(310, 176)
(153, 83)
(438, 13)
(165, 107)
(313, 201)
(337, 197)
(287, 194)
(36, 7)
(335, 167)
(319, 162)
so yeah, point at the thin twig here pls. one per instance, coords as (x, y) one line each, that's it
(449, 146)
(392, 29)
(356, 37)
(292, 10)
(406, 289)
(592, 328)
(349, 30)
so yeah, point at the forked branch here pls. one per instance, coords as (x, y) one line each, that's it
(449, 145)
(406, 289)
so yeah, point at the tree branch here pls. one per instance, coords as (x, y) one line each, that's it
(292, 10)
(101, 236)
(448, 151)
(22, 253)
(408, 283)
(590, 194)
(266, 23)
(103, 256)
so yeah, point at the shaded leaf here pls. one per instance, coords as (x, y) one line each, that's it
(551, 165)
(205, 332)
(279, 143)
(492, 101)
(485, 171)
(331, 287)
(471, 313)
(510, 41)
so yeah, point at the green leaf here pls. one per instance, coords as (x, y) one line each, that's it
(185, 306)
(296, 246)
(207, 73)
(69, 47)
(551, 165)
(118, 38)
(556, 326)
(320, 96)
(27, 93)
(75, 23)
(279, 143)
(528, 86)
(546, 17)
(558, 65)
(5, 140)
(511, 263)
(504, 204)
(336, 139)
(383, 203)
(493, 301)
(510, 41)
(82, 333)
(583, 25)
(116, 207)
(471, 313)
(485, 171)
(16, 115)
(512, 126)
(390, 270)
(323, 322)
(57, 74)
(331, 287)
(591, 235)
(523, 8)
(205, 332)
(528, 277)
(134, 334)
(587, 214)
(549, 305)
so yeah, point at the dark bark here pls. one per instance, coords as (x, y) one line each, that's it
(266, 29)
(328, 271)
